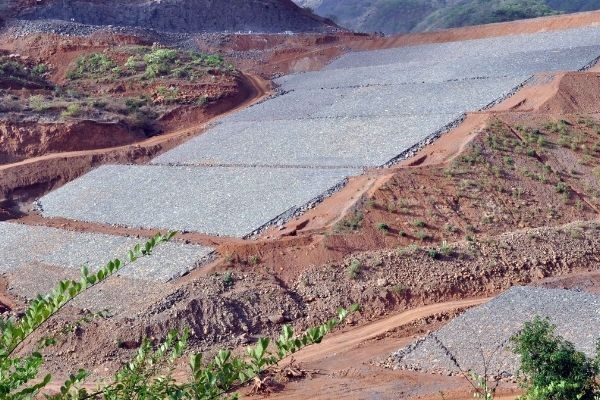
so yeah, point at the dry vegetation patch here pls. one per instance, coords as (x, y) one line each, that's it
(510, 176)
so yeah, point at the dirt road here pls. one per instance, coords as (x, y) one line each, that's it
(347, 340)
(52, 170)
(345, 363)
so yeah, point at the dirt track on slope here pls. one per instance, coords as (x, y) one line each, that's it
(346, 361)
(25, 180)
(345, 341)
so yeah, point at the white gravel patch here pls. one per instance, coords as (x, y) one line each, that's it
(23, 245)
(219, 201)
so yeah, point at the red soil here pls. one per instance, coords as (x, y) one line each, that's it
(482, 179)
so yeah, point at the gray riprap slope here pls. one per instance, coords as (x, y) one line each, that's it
(499, 46)
(481, 334)
(24, 245)
(219, 201)
(363, 110)
(385, 98)
(340, 142)
(365, 127)
(478, 65)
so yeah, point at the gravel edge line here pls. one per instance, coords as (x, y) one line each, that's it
(296, 211)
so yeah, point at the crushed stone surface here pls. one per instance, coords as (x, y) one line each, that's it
(335, 142)
(24, 245)
(279, 157)
(220, 201)
(479, 339)
(500, 45)
(476, 66)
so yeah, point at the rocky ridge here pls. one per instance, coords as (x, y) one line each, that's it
(182, 16)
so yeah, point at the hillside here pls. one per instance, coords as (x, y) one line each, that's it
(477, 12)
(404, 16)
(181, 16)
(266, 153)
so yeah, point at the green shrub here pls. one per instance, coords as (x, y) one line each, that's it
(168, 95)
(135, 63)
(419, 223)
(562, 187)
(202, 100)
(551, 367)
(446, 249)
(383, 227)
(228, 279)
(38, 103)
(433, 253)
(72, 110)
(352, 222)
(422, 235)
(92, 66)
(354, 269)
(12, 69)
(206, 60)
(40, 69)
(448, 227)
(134, 104)
(158, 62)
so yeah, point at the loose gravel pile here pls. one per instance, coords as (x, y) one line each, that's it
(24, 245)
(367, 109)
(479, 340)
(218, 201)
(22, 28)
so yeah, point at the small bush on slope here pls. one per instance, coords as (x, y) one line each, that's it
(552, 369)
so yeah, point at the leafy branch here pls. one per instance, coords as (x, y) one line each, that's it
(149, 375)
(16, 372)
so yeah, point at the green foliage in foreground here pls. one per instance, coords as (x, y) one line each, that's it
(17, 372)
(552, 369)
(150, 374)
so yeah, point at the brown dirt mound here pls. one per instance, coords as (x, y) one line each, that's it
(576, 93)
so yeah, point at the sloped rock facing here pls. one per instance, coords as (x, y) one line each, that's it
(479, 340)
